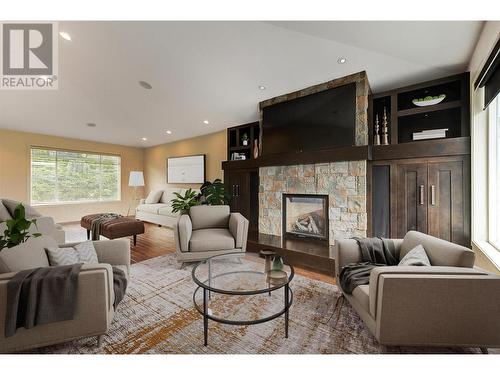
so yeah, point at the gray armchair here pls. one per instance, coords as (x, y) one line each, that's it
(208, 231)
(450, 303)
(94, 306)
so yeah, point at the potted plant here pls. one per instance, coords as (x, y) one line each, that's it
(214, 193)
(244, 139)
(17, 229)
(182, 204)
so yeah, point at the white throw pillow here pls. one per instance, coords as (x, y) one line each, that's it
(415, 257)
(154, 196)
(63, 256)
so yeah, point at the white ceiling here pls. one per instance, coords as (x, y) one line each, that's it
(212, 70)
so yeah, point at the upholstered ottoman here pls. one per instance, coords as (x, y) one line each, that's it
(115, 228)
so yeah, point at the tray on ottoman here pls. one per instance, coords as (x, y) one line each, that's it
(115, 228)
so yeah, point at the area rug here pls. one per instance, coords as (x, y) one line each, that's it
(158, 316)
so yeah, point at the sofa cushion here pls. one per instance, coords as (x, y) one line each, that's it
(167, 211)
(30, 254)
(4, 213)
(151, 208)
(154, 197)
(362, 295)
(30, 211)
(209, 216)
(83, 252)
(415, 257)
(168, 195)
(211, 239)
(440, 252)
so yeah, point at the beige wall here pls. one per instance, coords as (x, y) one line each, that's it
(15, 170)
(155, 158)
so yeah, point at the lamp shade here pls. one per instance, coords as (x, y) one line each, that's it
(136, 178)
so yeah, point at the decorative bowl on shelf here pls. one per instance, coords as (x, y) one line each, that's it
(428, 100)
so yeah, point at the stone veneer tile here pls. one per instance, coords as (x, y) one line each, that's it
(344, 182)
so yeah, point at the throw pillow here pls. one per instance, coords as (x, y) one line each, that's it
(4, 213)
(30, 211)
(415, 257)
(63, 256)
(154, 196)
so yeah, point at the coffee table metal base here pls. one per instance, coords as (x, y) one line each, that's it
(203, 310)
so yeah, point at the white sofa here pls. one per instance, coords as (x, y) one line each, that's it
(160, 212)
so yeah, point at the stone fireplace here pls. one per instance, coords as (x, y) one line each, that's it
(343, 182)
(305, 215)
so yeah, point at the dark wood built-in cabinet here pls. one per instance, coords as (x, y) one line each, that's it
(427, 195)
(422, 185)
(243, 187)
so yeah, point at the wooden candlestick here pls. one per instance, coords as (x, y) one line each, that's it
(376, 138)
(385, 140)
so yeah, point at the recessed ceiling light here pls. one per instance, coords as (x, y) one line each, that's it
(262, 87)
(145, 85)
(169, 131)
(206, 122)
(91, 124)
(342, 60)
(144, 139)
(65, 35)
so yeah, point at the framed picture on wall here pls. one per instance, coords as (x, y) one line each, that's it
(186, 170)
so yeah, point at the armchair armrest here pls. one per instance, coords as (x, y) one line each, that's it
(115, 252)
(183, 230)
(433, 304)
(238, 226)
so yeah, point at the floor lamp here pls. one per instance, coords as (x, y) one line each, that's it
(135, 180)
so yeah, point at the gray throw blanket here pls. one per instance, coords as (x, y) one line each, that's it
(375, 252)
(119, 285)
(41, 296)
(96, 224)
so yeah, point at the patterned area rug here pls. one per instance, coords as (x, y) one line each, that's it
(158, 316)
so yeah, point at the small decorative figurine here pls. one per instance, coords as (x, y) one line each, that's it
(376, 136)
(385, 140)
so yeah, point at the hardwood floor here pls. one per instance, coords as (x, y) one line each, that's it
(160, 241)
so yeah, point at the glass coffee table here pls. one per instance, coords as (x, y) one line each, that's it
(236, 289)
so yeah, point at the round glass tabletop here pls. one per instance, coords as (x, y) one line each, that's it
(240, 274)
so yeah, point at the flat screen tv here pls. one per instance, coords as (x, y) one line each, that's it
(320, 121)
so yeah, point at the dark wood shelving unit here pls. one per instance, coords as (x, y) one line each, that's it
(235, 141)
(422, 185)
(405, 118)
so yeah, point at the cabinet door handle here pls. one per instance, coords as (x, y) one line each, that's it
(237, 190)
(433, 195)
(421, 195)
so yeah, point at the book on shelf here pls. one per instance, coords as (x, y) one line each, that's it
(430, 134)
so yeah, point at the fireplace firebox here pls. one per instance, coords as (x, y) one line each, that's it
(306, 216)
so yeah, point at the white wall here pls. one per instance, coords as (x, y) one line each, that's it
(487, 257)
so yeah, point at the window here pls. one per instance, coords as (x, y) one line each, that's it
(494, 173)
(62, 176)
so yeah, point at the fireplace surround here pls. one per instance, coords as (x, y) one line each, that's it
(305, 216)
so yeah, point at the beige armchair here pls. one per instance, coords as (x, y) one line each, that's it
(94, 308)
(447, 304)
(208, 231)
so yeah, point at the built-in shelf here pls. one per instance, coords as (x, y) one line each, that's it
(428, 109)
(324, 156)
(404, 118)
